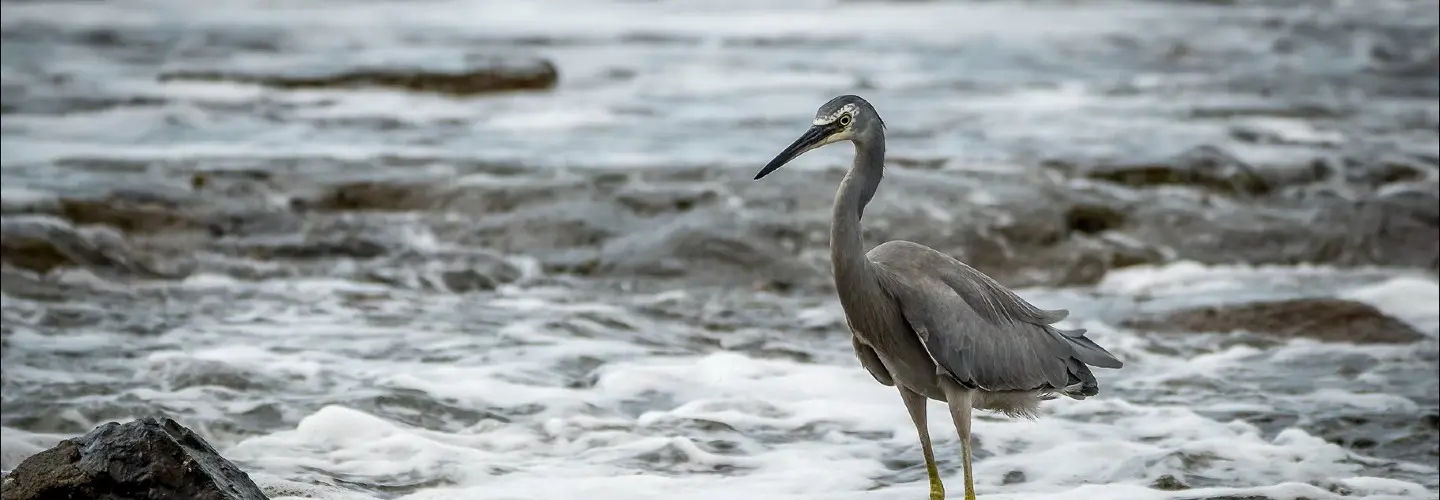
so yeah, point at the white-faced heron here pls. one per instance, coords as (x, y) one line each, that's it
(930, 325)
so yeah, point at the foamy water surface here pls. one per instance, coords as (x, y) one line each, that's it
(549, 393)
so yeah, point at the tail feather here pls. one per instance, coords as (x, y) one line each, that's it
(1082, 382)
(1088, 351)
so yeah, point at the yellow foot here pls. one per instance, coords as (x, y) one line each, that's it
(937, 488)
(969, 495)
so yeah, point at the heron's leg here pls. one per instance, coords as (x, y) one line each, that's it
(915, 403)
(960, 400)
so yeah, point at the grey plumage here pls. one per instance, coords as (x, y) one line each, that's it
(928, 324)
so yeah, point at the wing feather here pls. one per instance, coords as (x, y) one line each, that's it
(979, 332)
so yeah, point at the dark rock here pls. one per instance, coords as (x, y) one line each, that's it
(30, 244)
(693, 246)
(1168, 482)
(132, 211)
(707, 225)
(181, 373)
(918, 163)
(650, 199)
(1206, 167)
(1389, 230)
(1092, 219)
(319, 247)
(1392, 435)
(150, 210)
(41, 243)
(1013, 477)
(145, 459)
(471, 76)
(1331, 320)
(378, 196)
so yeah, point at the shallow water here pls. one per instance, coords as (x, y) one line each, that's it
(336, 374)
(547, 392)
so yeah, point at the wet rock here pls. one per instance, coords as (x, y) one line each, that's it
(235, 209)
(701, 245)
(1394, 435)
(145, 459)
(243, 223)
(1331, 320)
(1168, 482)
(470, 76)
(1206, 167)
(1013, 477)
(314, 248)
(1389, 230)
(716, 226)
(324, 238)
(651, 199)
(374, 195)
(1092, 219)
(132, 211)
(182, 373)
(41, 243)
(560, 229)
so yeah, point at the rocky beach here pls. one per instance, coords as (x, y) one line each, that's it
(467, 249)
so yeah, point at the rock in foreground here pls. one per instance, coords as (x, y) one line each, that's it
(1330, 320)
(145, 459)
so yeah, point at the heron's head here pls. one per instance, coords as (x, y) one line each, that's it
(844, 118)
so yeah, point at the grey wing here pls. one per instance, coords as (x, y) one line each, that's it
(981, 333)
(871, 362)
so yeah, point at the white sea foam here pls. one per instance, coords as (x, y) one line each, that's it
(19, 445)
(1410, 298)
(716, 424)
(1194, 278)
(575, 454)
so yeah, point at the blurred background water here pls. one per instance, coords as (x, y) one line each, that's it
(509, 249)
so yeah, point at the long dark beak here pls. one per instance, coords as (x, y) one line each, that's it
(804, 143)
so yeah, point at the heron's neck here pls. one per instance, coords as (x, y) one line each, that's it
(847, 244)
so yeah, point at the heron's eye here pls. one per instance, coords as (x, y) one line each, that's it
(844, 120)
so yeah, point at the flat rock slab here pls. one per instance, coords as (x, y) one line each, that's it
(467, 77)
(145, 459)
(1330, 320)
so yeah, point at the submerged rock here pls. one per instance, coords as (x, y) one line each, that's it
(1330, 320)
(40, 243)
(715, 226)
(1168, 482)
(133, 211)
(1207, 167)
(468, 77)
(145, 459)
(710, 225)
